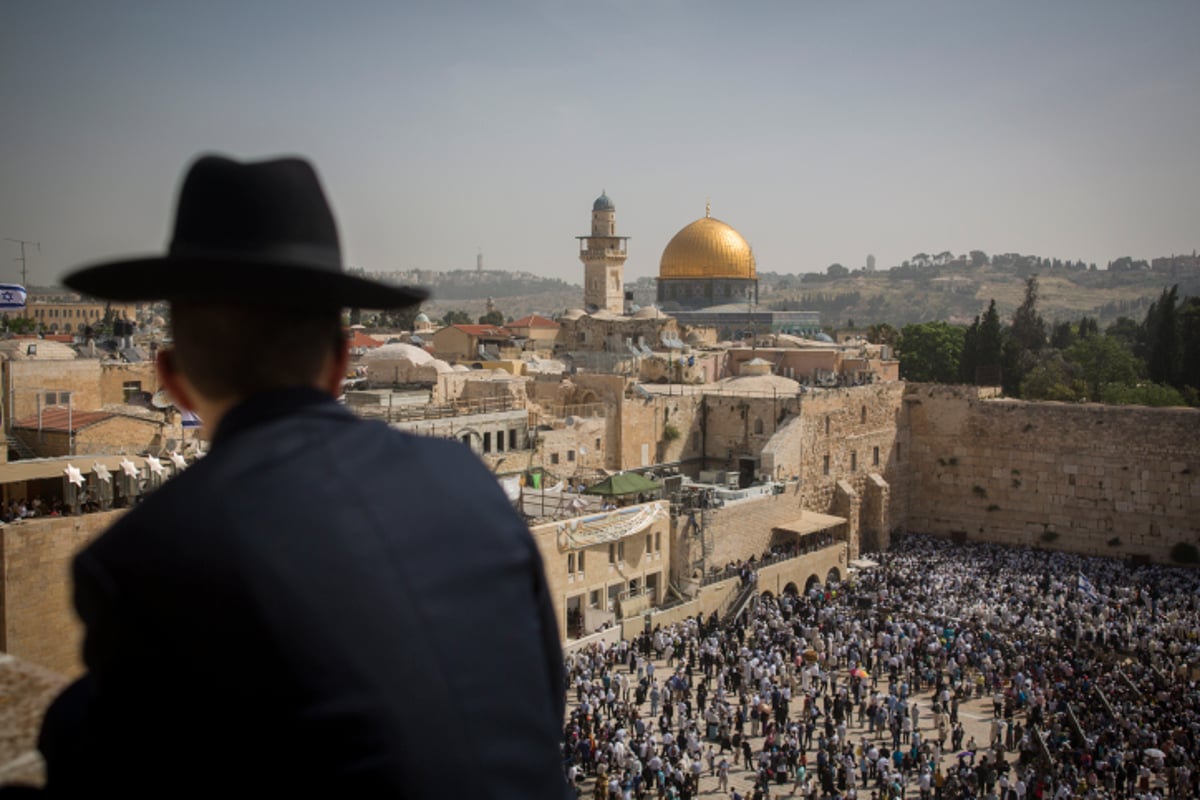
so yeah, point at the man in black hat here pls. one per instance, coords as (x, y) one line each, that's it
(320, 605)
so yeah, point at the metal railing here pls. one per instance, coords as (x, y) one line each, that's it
(456, 408)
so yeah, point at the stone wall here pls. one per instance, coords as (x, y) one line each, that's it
(39, 622)
(115, 374)
(1102, 480)
(646, 554)
(26, 381)
(646, 425)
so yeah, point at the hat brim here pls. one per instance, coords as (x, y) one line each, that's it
(237, 280)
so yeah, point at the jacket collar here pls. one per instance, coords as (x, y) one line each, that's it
(265, 407)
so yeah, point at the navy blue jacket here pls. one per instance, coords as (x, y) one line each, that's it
(320, 605)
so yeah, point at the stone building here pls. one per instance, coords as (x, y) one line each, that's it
(455, 343)
(603, 254)
(607, 567)
(536, 333)
(59, 431)
(69, 314)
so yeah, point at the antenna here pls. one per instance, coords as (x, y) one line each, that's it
(21, 258)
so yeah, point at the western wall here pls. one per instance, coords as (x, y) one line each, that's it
(1119, 481)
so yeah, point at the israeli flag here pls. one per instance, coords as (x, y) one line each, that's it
(12, 296)
(1085, 588)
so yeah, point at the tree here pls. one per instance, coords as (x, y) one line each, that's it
(403, 319)
(969, 361)
(982, 349)
(1027, 336)
(978, 258)
(19, 325)
(1189, 337)
(882, 333)
(1143, 394)
(456, 317)
(991, 341)
(1051, 378)
(495, 317)
(1102, 361)
(1028, 327)
(930, 352)
(836, 271)
(1163, 343)
(1126, 330)
(1062, 335)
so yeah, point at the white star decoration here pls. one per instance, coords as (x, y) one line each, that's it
(178, 460)
(129, 468)
(101, 472)
(74, 475)
(155, 465)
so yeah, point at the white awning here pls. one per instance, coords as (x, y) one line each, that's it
(811, 522)
(35, 469)
(609, 526)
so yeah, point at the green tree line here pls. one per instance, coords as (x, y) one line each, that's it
(1154, 361)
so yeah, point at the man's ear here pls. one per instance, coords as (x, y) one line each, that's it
(173, 381)
(338, 363)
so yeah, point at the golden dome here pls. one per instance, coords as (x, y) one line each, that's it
(708, 248)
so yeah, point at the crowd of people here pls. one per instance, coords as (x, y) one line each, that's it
(1081, 674)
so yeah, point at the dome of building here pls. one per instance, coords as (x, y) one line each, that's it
(707, 248)
(649, 312)
(421, 317)
(603, 203)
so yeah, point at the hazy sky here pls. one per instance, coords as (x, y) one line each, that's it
(823, 131)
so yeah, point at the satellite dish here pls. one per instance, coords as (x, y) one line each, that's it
(161, 399)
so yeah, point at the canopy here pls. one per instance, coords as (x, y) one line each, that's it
(811, 522)
(623, 483)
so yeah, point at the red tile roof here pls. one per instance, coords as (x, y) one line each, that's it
(533, 321)
(360, 339)
(55, 418)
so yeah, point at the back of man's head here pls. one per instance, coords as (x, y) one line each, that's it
(231, 351)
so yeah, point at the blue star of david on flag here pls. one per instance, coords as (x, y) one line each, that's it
(12, 296)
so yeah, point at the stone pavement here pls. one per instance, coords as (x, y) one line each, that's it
(975, 714)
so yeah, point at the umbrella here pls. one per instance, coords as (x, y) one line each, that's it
(859, 672)
(623, 483)
(1154, 752)
(966, 754)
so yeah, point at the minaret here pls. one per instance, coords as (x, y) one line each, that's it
(603, 255)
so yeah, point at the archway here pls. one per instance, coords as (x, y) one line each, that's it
(834, 576)
(767, 595)
(812, 583)
(471, 439)
(791, 589)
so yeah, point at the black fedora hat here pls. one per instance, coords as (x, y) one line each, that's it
(259, 232)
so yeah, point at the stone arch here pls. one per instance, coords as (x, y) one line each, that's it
(834, 576)
(471, 438)
(758, 426)
(767, 595)
(586, 397)
(813, 582)
(791, 589)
